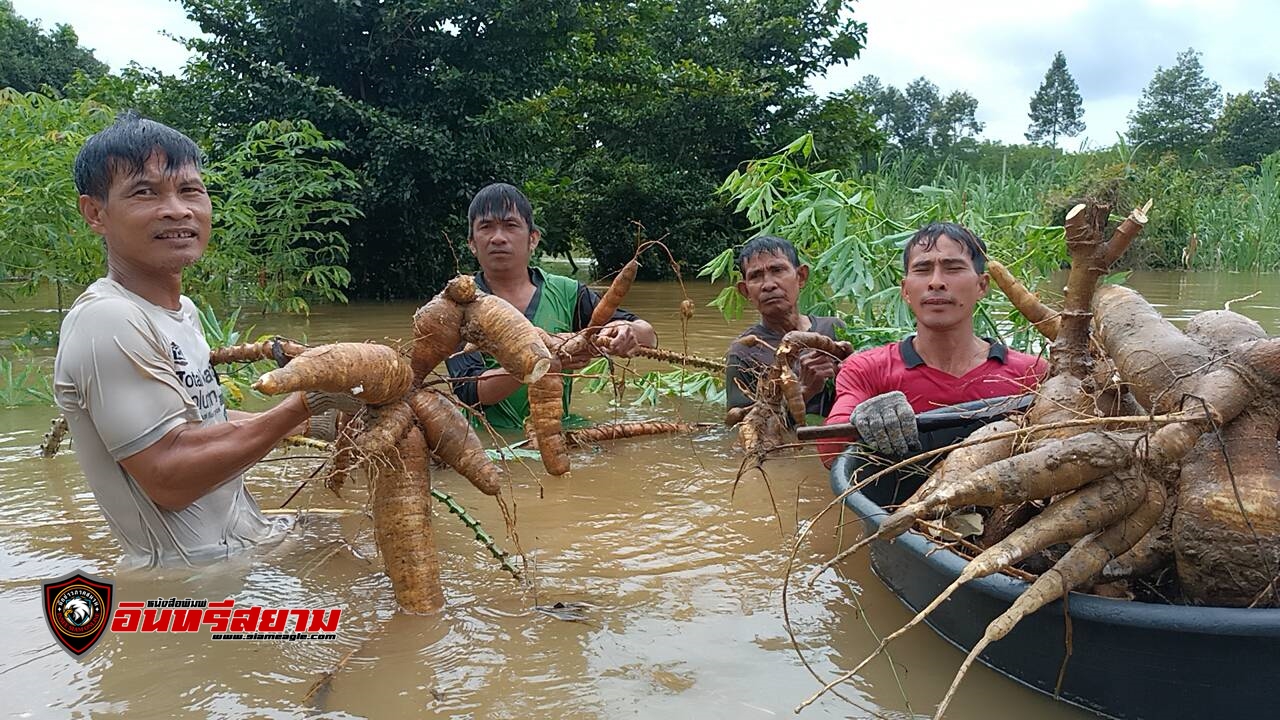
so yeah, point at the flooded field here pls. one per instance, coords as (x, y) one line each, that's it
(678, 571)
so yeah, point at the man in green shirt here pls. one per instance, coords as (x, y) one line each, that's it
(502, 237)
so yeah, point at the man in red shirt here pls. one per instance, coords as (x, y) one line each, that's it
(944, 363)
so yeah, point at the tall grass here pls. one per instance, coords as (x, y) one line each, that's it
(1240, 230)
(1232, 214)
(26, 383)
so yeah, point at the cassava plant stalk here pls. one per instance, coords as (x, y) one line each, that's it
(58, 430)
(484, 538)
(676, 358)
(618, 431)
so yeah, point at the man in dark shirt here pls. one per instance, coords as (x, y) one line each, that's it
(502, 236)
(772, 277)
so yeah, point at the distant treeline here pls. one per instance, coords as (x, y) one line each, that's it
(609, 113)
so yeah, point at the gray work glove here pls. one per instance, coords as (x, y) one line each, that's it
(319, 403)
(887, 424)
(323, 426)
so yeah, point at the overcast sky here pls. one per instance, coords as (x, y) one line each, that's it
(997, 50)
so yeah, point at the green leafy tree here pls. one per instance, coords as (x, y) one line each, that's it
(1249, 127)
(31, 58)
(846, 130)
(611, 111)
(178, 102)
(1177, 110)
(1056, 108)
(916, 128)
(402, 85)
(955, 122)
(659, 103)
(42, 237)
(276, 209)
(277, 240)
(919, 119)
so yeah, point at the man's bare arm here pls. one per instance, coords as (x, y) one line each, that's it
(300, 429)
(494, 386)
(193, 459)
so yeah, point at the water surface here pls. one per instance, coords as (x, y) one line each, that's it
(680, 568)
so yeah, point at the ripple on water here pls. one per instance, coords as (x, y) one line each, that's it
(678, 573)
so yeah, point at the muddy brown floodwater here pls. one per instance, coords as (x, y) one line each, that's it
(678, 571)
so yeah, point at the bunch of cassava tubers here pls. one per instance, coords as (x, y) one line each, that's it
(1147, 449)
(407, 420)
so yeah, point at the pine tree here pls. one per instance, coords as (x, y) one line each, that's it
(1056, 108)
(1177, 110)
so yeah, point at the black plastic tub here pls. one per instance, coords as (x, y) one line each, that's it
(1128, 659)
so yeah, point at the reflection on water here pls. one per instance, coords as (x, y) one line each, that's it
(1178, 296)
(678, 573)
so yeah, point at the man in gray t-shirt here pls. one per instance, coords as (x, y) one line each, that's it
(772, 277)
(160, 451)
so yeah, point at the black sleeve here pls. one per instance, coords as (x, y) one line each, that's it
(739, 370)
(468, 366)
(587, 302)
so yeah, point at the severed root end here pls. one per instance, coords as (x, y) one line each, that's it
(540, 368)
(1045, 319)
(462, 289)
(58, 430)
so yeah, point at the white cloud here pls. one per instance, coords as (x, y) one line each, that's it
(120, 31)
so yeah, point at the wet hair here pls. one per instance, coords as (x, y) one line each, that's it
(766, 244)
(495, 200)
(926, 238)
(124, 147)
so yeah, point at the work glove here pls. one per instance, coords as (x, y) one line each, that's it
(323, 426)
(887, 424)
(319, 403)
